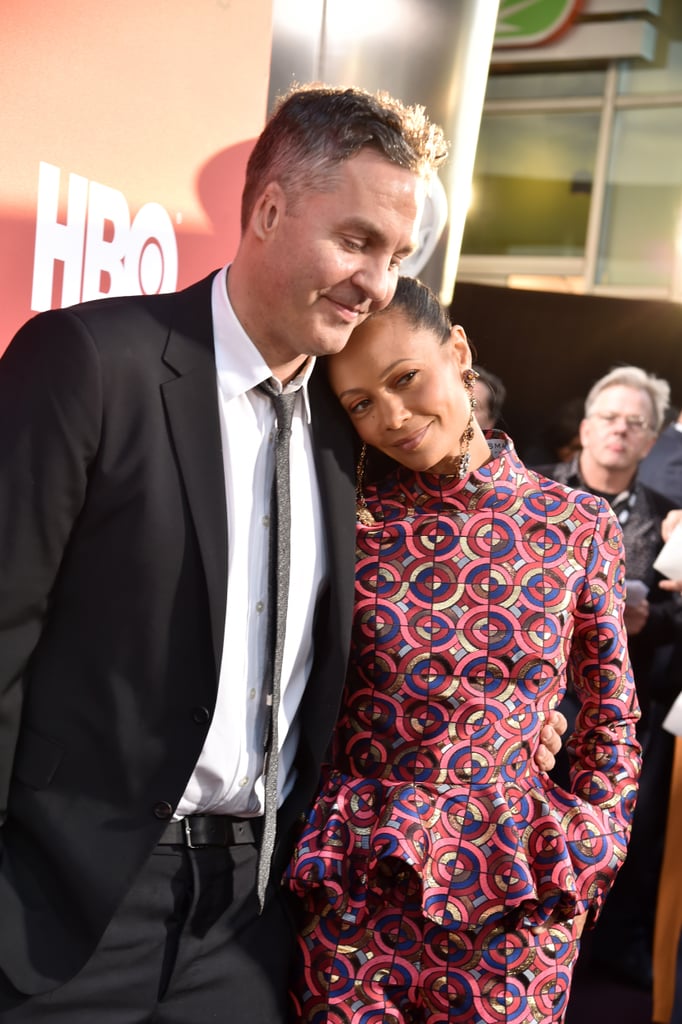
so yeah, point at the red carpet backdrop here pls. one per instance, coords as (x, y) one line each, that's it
(126, 132)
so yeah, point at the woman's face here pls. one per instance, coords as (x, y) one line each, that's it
(403, 390)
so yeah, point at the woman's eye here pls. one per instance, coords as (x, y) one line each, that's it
(358, 407)
(406, 378)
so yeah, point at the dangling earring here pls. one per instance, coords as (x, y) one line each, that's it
(362, 513)
(469, 377)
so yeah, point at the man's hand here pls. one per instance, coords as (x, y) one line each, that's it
(635, 616)
(550, 741)
(673, 518)
(674, 585)
(670, 522)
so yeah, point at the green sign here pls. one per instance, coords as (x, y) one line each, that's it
(533, 22)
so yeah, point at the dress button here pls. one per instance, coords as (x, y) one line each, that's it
(163, 810)
(201, 715)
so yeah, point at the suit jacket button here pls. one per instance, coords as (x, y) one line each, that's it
(201, 715)
(163, 810)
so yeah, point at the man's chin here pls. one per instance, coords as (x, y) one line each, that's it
(331, 343)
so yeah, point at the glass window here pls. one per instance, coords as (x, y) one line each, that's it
(643, 199)
(540, 85)
(664, 75)
(532, 184)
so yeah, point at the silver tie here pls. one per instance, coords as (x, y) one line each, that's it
(278, 595)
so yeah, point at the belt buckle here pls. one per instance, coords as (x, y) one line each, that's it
(188, 833)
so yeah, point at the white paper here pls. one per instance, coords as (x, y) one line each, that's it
(669, 560)
(673, 720)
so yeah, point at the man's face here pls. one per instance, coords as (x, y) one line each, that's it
(331, 258)
(619, 431)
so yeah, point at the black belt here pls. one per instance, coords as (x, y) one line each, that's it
(212, 830)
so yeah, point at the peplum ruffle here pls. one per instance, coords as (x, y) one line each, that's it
(480, 852)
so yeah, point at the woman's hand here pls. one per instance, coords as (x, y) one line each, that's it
(550, 741)
(580, 922)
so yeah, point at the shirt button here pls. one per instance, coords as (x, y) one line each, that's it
(259, 606)
(163, 810)
(252, 694)
(244, 782)
(265, 521)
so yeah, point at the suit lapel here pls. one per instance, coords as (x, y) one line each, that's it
(191, 404)
(333, 444)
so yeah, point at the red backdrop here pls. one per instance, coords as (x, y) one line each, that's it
(126, 128)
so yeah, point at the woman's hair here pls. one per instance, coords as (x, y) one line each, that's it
(313, 129)
(657, 390)
(420, 306)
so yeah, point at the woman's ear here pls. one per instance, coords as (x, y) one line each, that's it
(460, 345)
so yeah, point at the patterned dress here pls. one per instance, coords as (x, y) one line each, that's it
(434, 841)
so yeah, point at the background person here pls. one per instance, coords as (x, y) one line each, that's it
(443, 878)
(490, 393)
(667, 986)
(661, 468)
(624, 411)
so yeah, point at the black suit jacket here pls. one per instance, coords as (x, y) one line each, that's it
(113, 554)
(661, 469)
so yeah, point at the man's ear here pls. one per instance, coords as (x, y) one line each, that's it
(268, 211)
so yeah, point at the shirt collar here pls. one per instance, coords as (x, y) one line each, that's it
(239, 365)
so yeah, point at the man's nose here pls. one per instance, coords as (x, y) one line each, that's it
(378, 281)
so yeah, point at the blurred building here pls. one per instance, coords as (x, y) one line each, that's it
(578, 174)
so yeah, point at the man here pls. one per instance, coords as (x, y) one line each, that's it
(624, 412)
(661, 469)
(135, 469)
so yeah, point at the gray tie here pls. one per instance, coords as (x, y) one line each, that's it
(278, 594)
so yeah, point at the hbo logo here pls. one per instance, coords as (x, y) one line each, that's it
(101, 251)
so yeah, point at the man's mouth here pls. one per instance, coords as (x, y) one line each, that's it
(352, 313)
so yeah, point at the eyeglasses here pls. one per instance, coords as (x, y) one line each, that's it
(637, 424)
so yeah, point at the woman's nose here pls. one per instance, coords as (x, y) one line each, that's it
(394, 412)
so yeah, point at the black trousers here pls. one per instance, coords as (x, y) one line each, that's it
(187, 946)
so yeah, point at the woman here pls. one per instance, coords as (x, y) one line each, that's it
(443, 877)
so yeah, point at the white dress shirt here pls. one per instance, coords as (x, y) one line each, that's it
(228, 776)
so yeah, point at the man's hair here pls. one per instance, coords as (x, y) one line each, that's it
(315, 128)
(657, 389)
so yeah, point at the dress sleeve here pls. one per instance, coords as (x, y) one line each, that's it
(603, 751)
